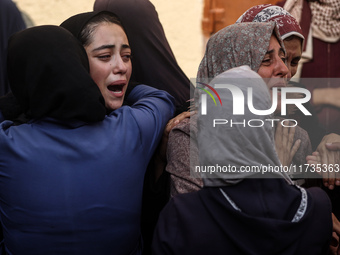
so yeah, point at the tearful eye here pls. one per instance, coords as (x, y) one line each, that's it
(266, 62)
(295, 62)
(126, 58)
(104, 57)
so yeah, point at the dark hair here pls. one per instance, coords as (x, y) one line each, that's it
(85, 36)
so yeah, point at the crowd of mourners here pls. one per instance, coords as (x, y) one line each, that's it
(108, 148)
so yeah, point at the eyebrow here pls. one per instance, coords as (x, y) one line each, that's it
(269, 52)
(110, 46)
(281, 50)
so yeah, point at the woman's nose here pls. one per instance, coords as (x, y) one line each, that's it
(119, 66)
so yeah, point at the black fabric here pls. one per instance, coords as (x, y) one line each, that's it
(76, 23)
(11, 21)
(155, 196)
(9, 106)
(204, 222)
(153, 61)
(48, 72)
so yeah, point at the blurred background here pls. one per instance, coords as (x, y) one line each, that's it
(187, 23)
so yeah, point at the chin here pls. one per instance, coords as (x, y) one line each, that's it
(115, 105)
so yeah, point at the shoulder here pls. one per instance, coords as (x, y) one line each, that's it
(179, 136)
(5, 124)
(320, 198)
(321, 207)
(187, 126)
(320, 210)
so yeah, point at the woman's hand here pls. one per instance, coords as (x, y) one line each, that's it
(327, 156)
(284, 144)
(326, 96)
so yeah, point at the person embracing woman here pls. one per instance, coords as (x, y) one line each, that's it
(71, 176)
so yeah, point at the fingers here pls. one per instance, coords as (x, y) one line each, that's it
(335, 235)
(334, 240)
(329, 161)
(285, 146)
(324, 159)
(331, 180)
(333, 146)
(279, 144)
(174, 121)
(295, 148)
(334, 160)
(311, 159)
(331, 174)
(285, 136)
(314, 160)
(336, 224)
(278, 135)
(171, 124)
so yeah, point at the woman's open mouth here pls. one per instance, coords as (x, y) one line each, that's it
(117, 89)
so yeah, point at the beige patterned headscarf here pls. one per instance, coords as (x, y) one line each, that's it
(236, 45)
(325, 17)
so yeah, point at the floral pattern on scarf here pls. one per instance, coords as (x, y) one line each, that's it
(286, 23)
(236, 45)
(326, 16)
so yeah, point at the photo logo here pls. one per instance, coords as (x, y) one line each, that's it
(205, 96)
(238, 99)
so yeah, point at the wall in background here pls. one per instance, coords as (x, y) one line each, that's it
(181, 20)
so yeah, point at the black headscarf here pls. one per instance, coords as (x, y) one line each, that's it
(153, 61)
(11, 21)
(76, 23)
(48, 71)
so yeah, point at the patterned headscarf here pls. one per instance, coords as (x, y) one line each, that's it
(325, 21)
(326, 17)
(236, 45)
(286, 23)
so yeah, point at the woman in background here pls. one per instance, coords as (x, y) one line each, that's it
(320, 23)
(11, 21)
(257, 45)
(293, 39)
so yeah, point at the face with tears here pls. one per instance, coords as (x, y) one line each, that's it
(109, 57)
